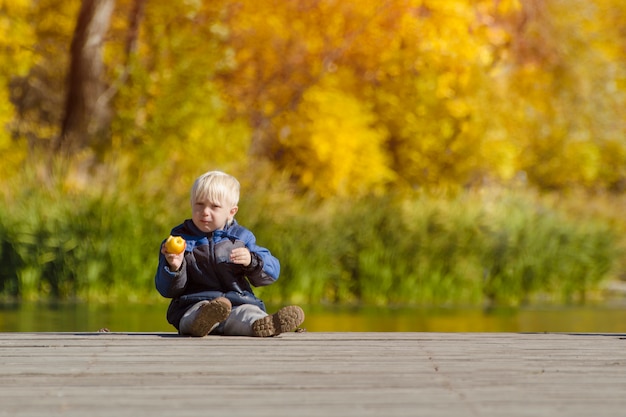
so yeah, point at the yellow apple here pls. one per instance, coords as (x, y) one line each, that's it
(175, 244)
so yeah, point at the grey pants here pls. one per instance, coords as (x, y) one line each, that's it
(238, 323)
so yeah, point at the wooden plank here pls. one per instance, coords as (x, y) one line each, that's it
(313, 374)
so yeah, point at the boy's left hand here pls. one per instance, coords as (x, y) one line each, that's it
(241, 256)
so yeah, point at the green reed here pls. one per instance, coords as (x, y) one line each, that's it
(493, 246)
(96, 245)
(471, 249)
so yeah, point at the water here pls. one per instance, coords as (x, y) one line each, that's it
(608, 318)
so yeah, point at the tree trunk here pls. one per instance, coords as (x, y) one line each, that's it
(87, 112)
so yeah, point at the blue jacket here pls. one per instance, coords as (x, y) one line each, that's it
(207, 273)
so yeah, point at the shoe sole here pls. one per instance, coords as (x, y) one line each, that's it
(210, 315)
(285, 320)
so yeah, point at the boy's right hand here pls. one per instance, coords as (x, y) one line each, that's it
(173, 259)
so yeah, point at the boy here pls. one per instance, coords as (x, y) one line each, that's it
(209, 282)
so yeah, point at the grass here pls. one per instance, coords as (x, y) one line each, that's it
(489, 246)
(493, 246)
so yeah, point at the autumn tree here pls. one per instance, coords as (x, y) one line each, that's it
(37, 62)
(170, 115)
(62, 100)
(559, 96)
(345, 97)
(16, 36)
(87, 115)
(407, 68)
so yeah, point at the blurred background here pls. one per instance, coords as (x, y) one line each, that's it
(415, 165)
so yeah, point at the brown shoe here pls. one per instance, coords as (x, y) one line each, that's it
(285, 320)
(208, 316)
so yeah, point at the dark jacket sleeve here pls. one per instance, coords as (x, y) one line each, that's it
(170, 284)
(265, 268)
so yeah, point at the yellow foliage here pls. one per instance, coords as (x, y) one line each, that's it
(16, 56)
(16, 37)
(172, 102)
(350, 96)
(586, 156)
(613, 164)
(557, 98)
(333, 147)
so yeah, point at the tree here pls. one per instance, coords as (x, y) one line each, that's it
(16, 58)
(87, 110)
(558, 86)
(411, 65)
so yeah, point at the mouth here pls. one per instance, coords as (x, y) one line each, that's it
(204, 224)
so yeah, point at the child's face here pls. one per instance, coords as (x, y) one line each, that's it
(208, 216)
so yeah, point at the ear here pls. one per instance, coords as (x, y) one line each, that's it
(233, 211)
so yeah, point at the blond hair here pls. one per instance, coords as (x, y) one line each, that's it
(216, 187)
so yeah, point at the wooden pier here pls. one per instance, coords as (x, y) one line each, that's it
(313, 374)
